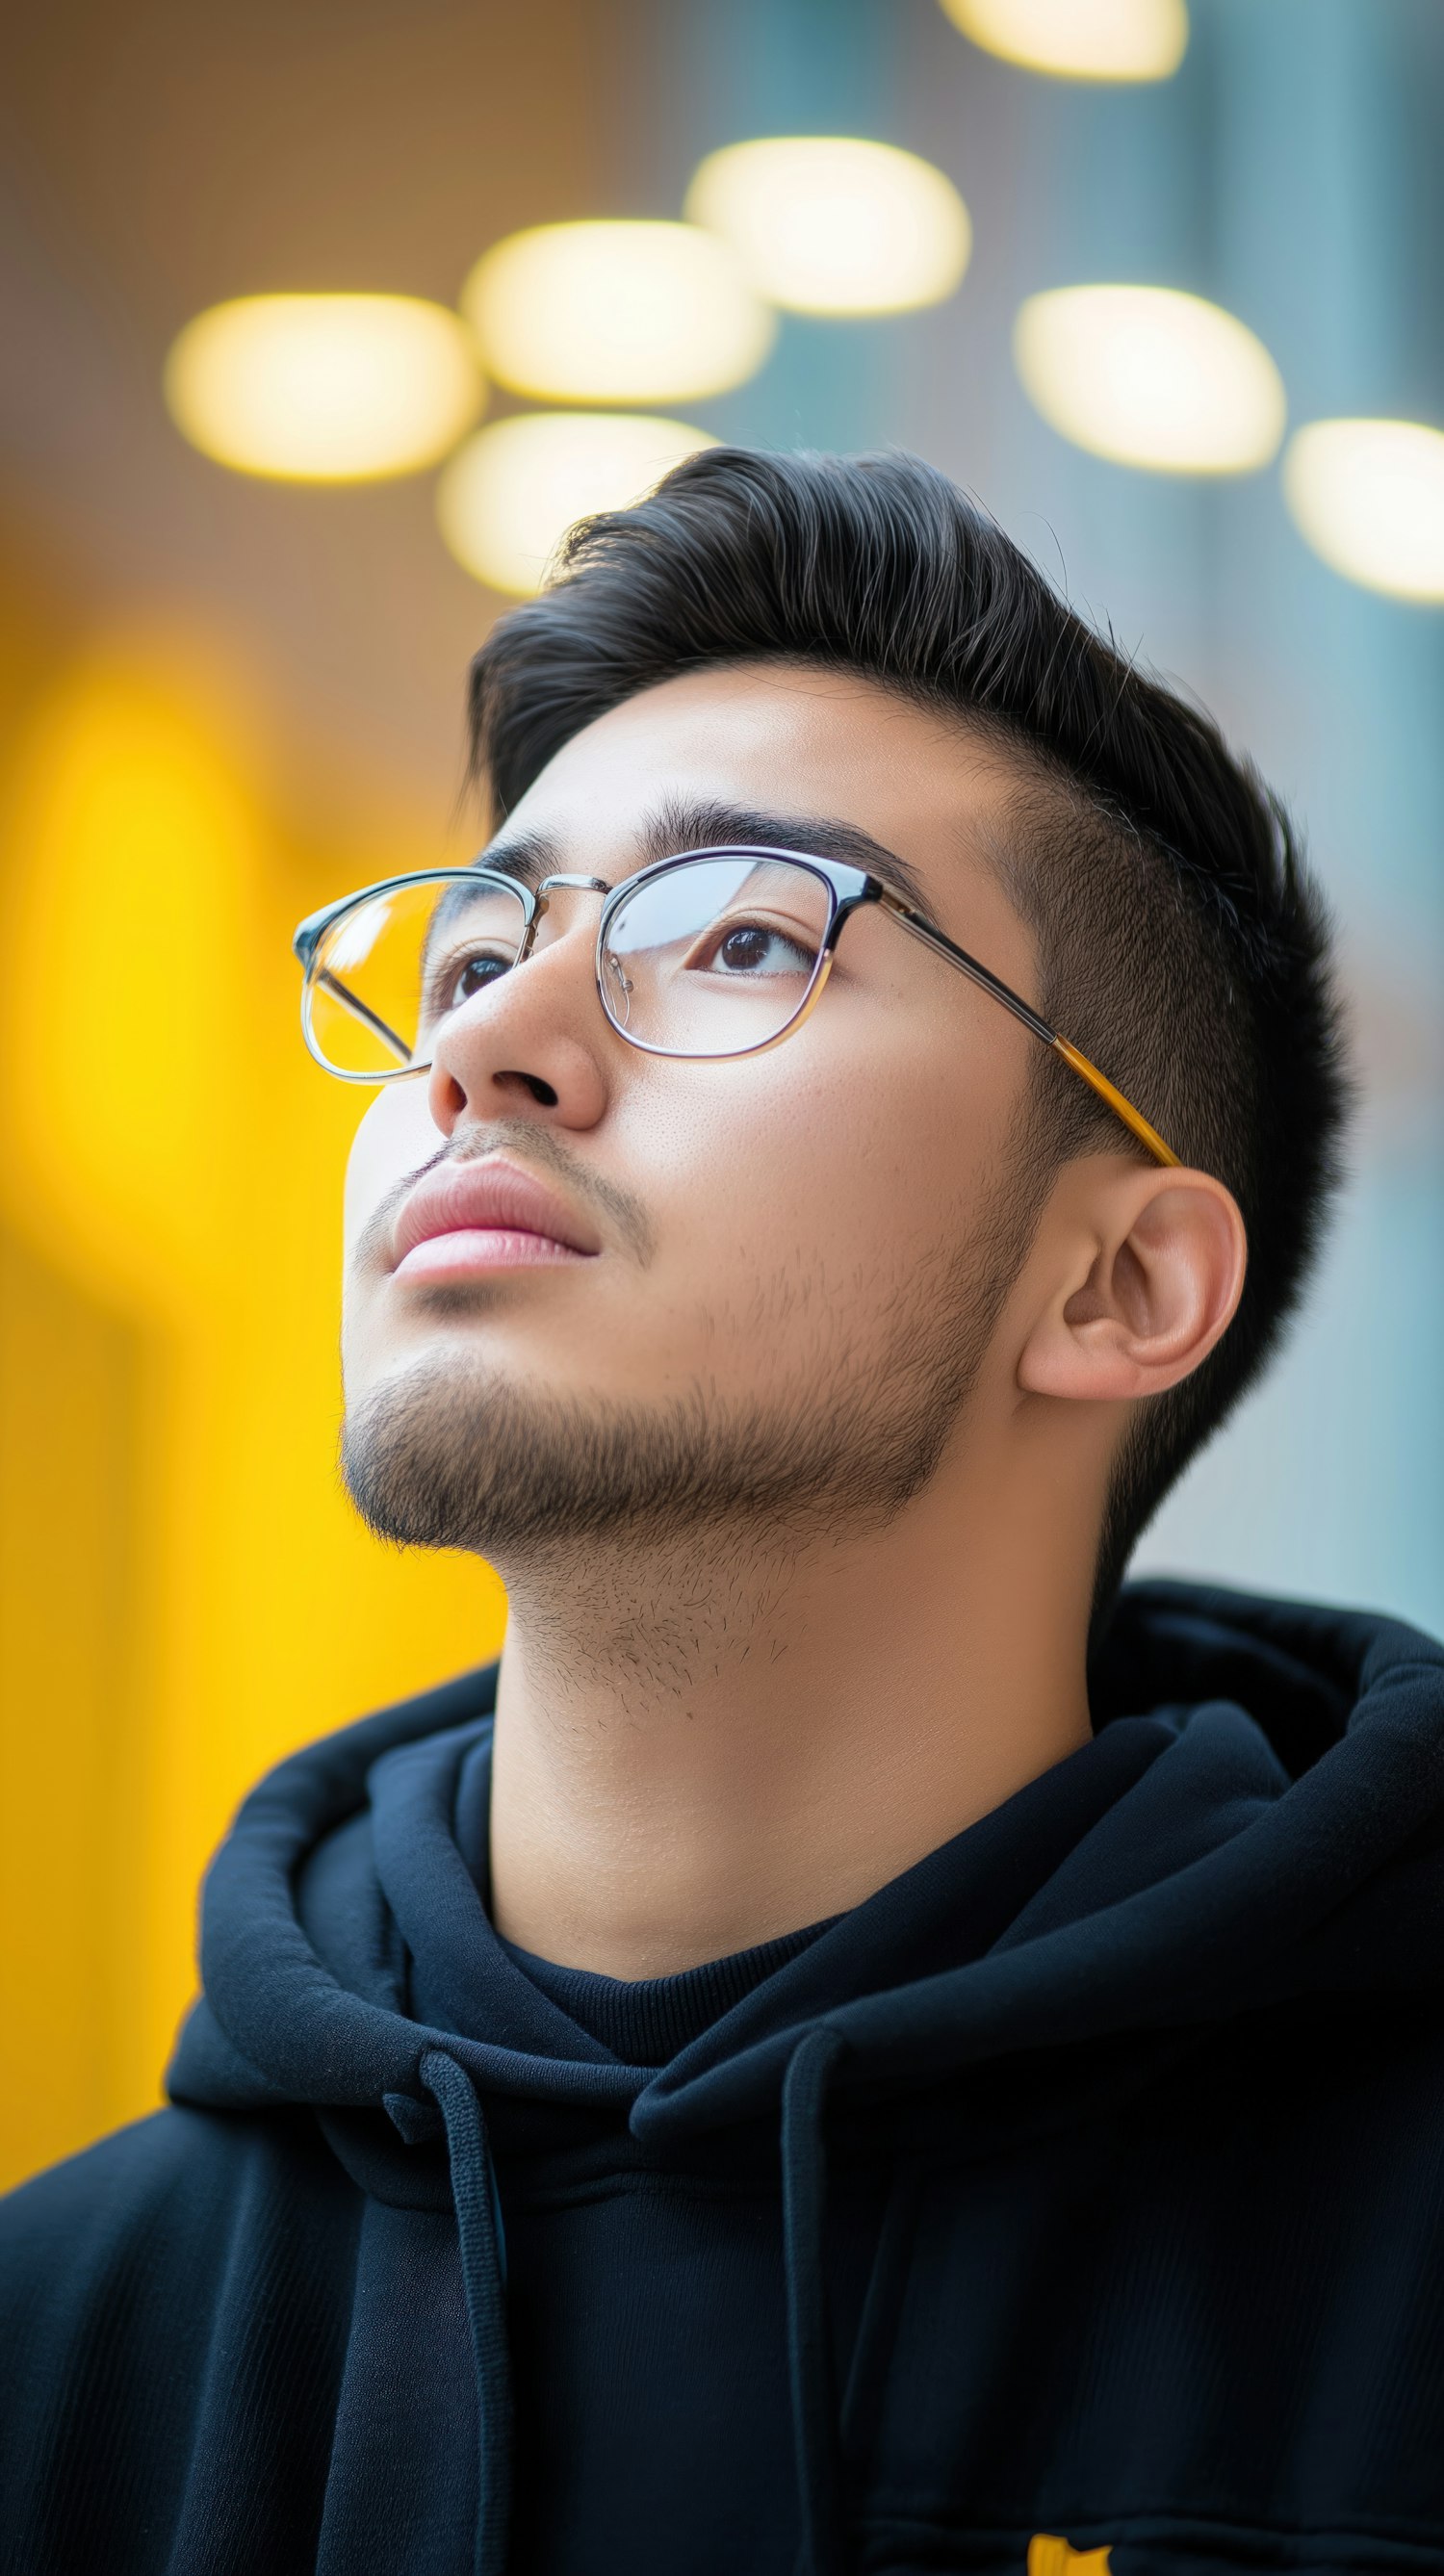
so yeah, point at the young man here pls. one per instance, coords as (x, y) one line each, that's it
(884, 2054)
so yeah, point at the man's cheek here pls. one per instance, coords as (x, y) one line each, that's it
(394, 1138)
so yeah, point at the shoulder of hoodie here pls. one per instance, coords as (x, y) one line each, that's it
(147, 2218)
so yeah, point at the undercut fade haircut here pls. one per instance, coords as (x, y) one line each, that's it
(1182, 943)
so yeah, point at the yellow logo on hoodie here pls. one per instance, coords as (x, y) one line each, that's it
(1050, 2557)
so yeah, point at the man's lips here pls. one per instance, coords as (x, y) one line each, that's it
(488, 1215)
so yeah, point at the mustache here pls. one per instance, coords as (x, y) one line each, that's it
(621, 1212)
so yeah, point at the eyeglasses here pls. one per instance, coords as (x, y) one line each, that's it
(710, 954)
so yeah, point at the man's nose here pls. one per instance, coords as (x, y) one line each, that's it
(537, 1040)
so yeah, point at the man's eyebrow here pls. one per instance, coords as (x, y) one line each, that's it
(527, 856)
(686, 824)
(680, 825)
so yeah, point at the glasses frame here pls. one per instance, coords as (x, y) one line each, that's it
(849, 889)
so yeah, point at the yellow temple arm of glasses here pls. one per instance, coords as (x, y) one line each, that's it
(1133, 1119)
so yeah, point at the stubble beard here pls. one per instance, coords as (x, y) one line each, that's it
(456, 1454)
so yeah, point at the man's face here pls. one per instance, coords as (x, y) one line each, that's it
(784, 1268)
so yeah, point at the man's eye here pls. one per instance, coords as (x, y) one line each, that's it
(475, 974)
(754, 948)
(460, 978)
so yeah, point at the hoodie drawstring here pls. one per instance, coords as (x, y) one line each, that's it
(483, 2273)
(809, 2347)
(816, 2446)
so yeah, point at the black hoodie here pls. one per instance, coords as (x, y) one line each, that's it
(1081, 2192)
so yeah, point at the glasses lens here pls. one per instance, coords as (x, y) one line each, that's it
(392, 969)
(715, 956)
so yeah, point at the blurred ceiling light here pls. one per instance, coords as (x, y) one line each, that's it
(508, 496)
(617, 312)
(831, 224)
(1369, 497)
(1150, 377)
(324, 388)
(1103, 40)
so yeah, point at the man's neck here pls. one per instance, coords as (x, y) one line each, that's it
(699, 1748)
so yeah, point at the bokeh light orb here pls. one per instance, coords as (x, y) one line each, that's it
(509, 495)
(1369, 497)
(1150, 377)
(324, 388)
(1102, 40)
(617, 312)
(835, 224)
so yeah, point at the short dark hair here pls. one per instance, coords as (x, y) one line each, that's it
(1182, 943)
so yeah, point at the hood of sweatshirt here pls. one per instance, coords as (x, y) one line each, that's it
(1259, 1814)
(1258, 1817)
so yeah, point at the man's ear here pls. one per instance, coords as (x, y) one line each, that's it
(1155, 1274)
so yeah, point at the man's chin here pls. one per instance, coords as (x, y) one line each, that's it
(453, 1454)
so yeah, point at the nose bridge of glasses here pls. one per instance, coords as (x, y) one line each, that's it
(542, 901)
(585, 885)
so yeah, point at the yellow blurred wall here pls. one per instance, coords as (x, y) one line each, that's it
(184, 1593)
